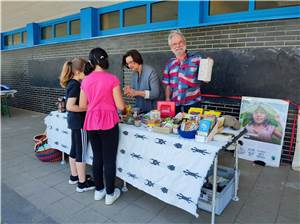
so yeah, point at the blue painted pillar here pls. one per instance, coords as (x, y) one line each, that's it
(188, 13)
(88, 22)
(32, 34)
(2, 41)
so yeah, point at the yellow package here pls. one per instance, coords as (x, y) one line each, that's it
(212, 112)
(195, 110)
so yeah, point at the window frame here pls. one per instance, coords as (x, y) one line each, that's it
(147, 27)
(150, 11)
(124, 15)
(251, 15)
(99, 19)
(69, 27)
(11, 33)
(190, 14)
(53, 23)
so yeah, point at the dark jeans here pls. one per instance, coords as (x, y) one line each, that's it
(105, 146)
(185, 108)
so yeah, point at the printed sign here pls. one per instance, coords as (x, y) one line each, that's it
(265, 121)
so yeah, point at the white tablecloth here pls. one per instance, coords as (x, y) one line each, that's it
(8, 92)
(168, 167)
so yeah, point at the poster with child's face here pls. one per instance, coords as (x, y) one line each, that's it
(265, 121)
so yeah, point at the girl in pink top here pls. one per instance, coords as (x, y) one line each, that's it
(101, 96)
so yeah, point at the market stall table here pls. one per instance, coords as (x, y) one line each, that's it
(5, 94)
(168, 167)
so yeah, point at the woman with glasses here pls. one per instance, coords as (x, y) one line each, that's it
(145, 82)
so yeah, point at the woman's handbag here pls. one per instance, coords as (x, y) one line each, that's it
(42, 150)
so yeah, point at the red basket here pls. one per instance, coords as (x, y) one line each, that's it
(40, 138)
(48, 154)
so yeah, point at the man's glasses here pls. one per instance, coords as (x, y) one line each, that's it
(180, 43)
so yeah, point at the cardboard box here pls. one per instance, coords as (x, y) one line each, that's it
(163, 130)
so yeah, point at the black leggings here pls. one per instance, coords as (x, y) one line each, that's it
(105, 147)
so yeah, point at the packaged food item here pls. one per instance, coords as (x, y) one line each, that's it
(155, 115)
(212, 112)
(61, 104)
(135, 111)
(204, 127)
(196, 110)
(128, 110)
(175, 128)
(137, 122)
(166, 108)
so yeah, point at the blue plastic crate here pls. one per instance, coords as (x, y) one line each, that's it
(222, 198)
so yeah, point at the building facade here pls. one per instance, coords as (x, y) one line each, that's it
(248, 41)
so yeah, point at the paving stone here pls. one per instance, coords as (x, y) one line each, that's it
(88, 215)
(172, 214)
(63, 209)
(137, 215)
(43, 199)
(19, 210)
(41, 193)
(31, 187)
(150, 203)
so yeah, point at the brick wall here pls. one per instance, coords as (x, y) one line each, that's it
(267, 34)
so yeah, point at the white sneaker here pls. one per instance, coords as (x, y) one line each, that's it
(111, 198)
(99, 194)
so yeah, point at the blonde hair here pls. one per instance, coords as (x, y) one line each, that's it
(69, 69)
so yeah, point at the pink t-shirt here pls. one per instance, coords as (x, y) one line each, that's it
(102, 112)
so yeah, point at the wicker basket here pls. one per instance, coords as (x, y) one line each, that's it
(47, 154)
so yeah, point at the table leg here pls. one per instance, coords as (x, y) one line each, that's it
(214, 189)
(124, 188)
(62, 162)
(236, 172)
(4, 106)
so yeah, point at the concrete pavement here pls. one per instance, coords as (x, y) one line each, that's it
(36, 192)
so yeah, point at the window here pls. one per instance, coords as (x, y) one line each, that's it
(16, 38)
(135, 16)
(60, 30)
(110, 20)
(75, 27)
(8, 40)
(274, 4)
(164, 11)
(46, 32)
(223, 7)
(24, 37)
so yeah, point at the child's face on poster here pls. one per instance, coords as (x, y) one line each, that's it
(259, 117)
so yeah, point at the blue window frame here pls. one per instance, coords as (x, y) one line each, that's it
(163, 11)
(251, 14)
(59, 37)
(13, 39)
(110, 20)
(126, 6)
(74, 27)
(24, 37)
(189, 14)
